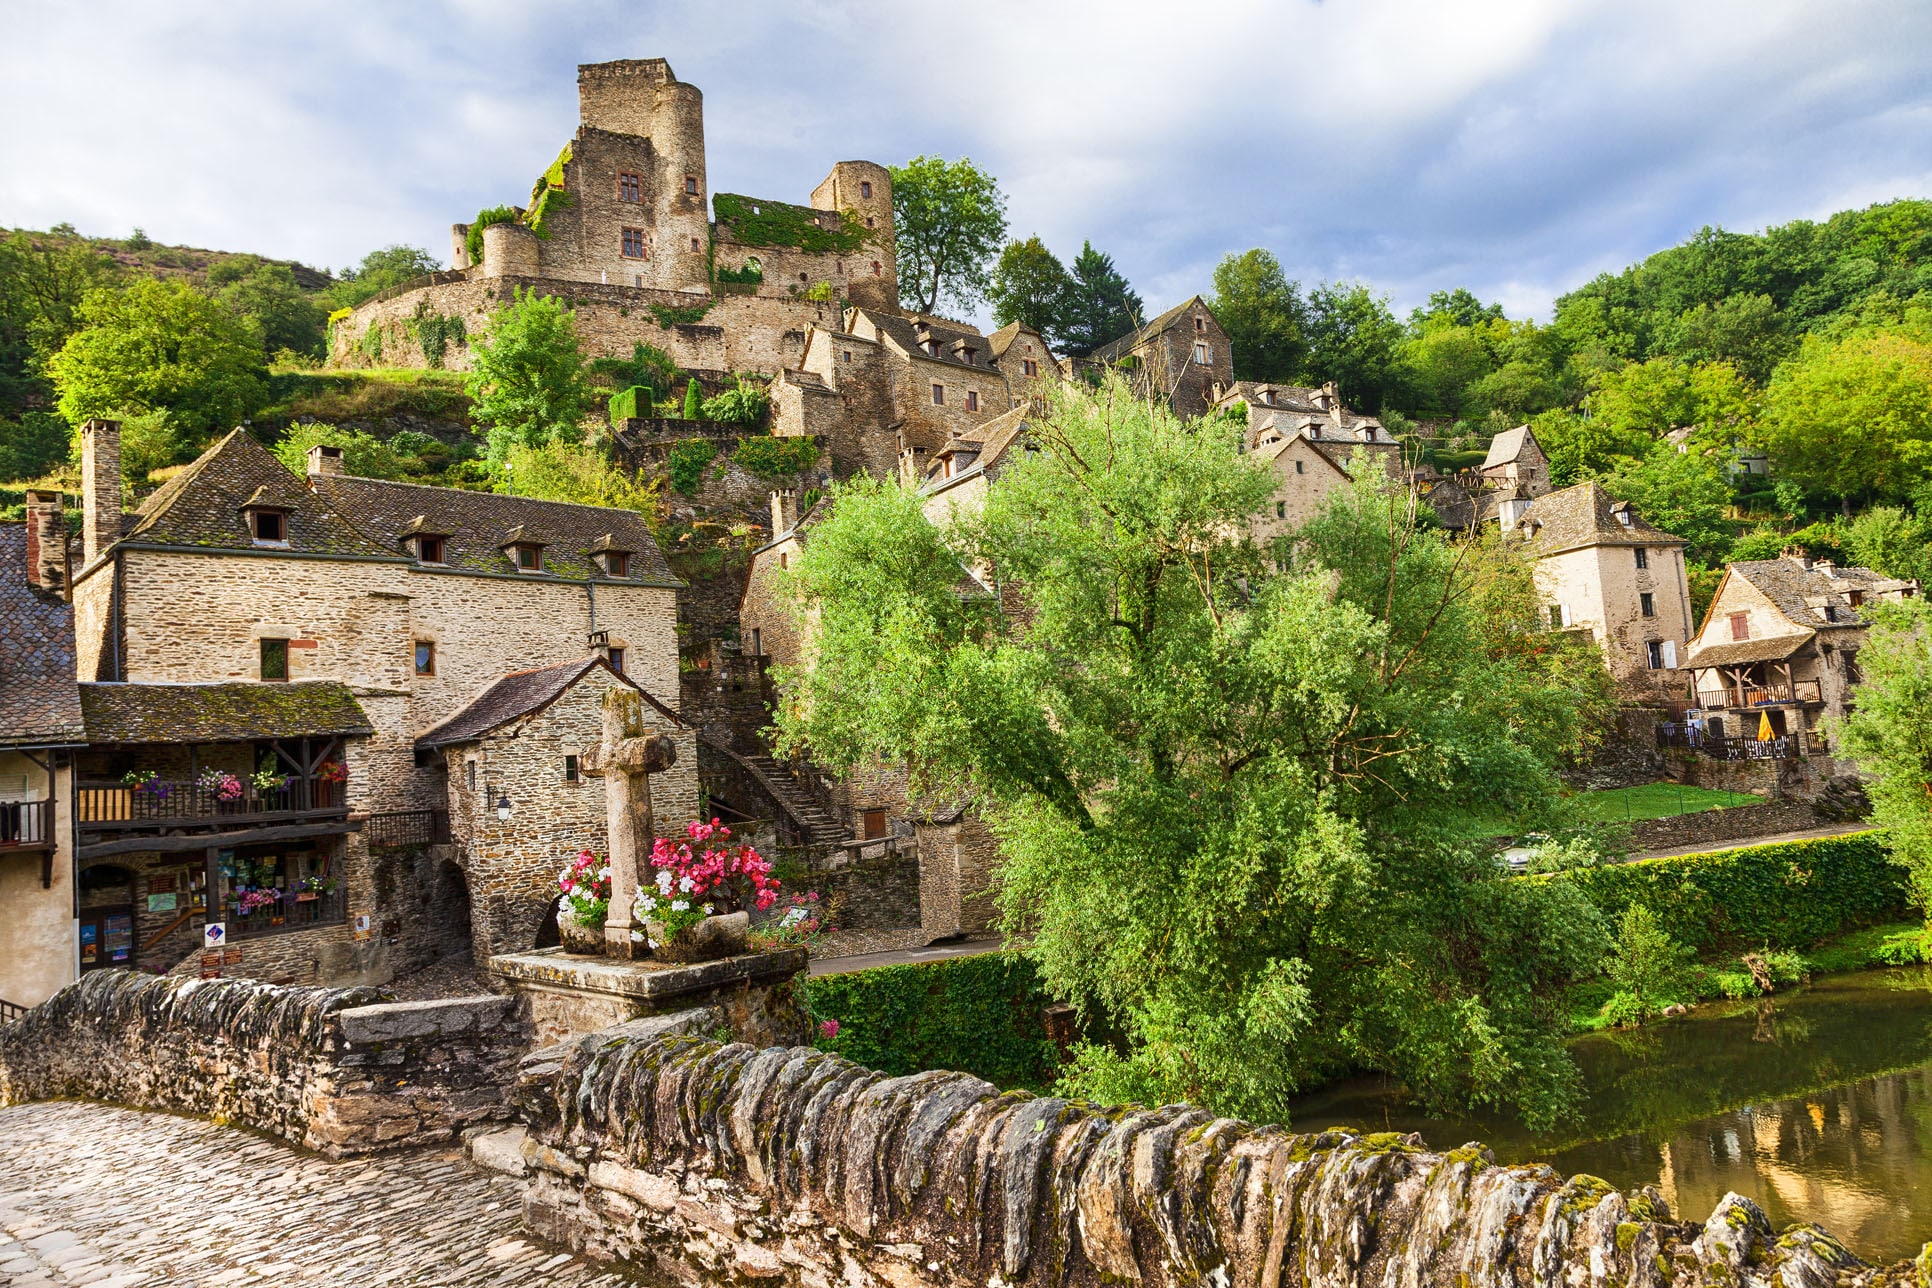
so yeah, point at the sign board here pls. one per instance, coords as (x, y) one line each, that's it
(231, 956)
(211, 965)
(362, 925)
(214, 934)
(161, 902)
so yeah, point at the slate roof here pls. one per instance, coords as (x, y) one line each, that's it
(479, 524)
(232, 712)
(1584, 515)
(904, 335)
(1773, 648)
(983, 447)
(519, 694)
(39, 700)
(1001, 340)
(1507, 447)
(202, 506)
(1802, 594)
(1121, 346)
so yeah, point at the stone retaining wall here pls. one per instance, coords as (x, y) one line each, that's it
(1737, 823)
(334, 1070)
(708, 1164)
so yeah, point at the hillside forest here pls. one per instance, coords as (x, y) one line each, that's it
(1747, 391)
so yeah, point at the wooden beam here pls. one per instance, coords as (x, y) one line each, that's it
(224, 840)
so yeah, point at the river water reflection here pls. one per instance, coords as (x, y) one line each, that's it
(1817, 1104)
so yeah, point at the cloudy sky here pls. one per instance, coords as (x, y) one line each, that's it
(1517, 147)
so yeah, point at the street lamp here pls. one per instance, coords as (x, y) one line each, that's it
(503, 809)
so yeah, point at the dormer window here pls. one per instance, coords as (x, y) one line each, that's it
(268, 527)
(1268, 397)
(617, 563)
(527, 556)
(429, 549)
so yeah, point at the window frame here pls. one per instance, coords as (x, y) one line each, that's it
(572, 769)
(1654, 655)
(1203, 355)
(865, 190)
(938, 395)
(534, 551)
(628, 237)
(428, 542)
(1643, 557)
(1646, 603)
(1740, 626)
(630, 187)
(614, 655)
(274, 514)
(617, 563)
(972, 400)
(267, 647)
(691, 186)
(425, 650)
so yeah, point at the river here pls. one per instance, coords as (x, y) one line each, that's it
(1816, 1103)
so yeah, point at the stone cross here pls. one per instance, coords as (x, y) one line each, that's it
(626, 758)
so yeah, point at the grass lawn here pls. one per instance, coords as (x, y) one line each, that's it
(1656, 800)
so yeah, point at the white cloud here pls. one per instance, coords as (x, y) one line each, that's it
(1517, 146)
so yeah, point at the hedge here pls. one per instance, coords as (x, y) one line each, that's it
(1789, 895)
(981, 1015)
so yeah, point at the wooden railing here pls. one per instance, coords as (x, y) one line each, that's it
(11, 1011)
(292, 911)
(406, 829)
(157, 800)
(1761, 695)
(1791, 746)
(27, 825)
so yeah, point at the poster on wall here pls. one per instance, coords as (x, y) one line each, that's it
(161, 902)
(120, 937)
(90, 945)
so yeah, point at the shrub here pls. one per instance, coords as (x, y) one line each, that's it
(473, 240)
(743, 404)
(33, 445)
(686, 463)
(1790, 895)
(1647, 967)
(770, 457)
(624, 404)
(980, 1015)
(693, 400)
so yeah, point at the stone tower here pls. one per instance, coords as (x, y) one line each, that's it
(643, 98)
(865, 189)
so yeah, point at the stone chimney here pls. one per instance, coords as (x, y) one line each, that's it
(1332, 402)
(784, 511)
(46, 542)
(100, 487)
(324, 459)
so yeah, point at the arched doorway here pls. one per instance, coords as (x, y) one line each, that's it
(106, 917)
(449, 910)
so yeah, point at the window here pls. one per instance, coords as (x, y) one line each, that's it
(972, 400)
(274, 659)
(1643, 557)
(630, 186)
(757, 643)
(784, 560)
(691, 187)
(1857, 598)
(469, 773)
(1201, 354)
(875, 268)
(528, 557)
(1029, 367)
(846, 355)
(1281, 508)
(571, 773)
(1740, 626)
(429, 549)
(616, 656)
(939, 395)
(1647, 603)
(696, 244)
(870, 222)
(1556, 617)
(633, 243)
(617, 564)
(873, 821)
(268, 525)
(1200, 323)
(425, 657)
(1301, 467)
(865, 189)
(1655, 649)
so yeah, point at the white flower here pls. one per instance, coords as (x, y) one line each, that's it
(685, 885)
(680, 905)
(664, 880)
(707, 910)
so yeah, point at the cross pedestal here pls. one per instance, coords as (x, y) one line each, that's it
(625, 759)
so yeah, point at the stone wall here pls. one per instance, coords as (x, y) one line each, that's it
(704, 1164)
(1737, 823)
(873, 894)
(333, 1070)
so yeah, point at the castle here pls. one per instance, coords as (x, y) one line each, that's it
(617, 226)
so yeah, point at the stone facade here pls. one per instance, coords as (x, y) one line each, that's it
(697, 1163)
(753, 995)
(37, 940)
(334, 1070)
(1183, 357)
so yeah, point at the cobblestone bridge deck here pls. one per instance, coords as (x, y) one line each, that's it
(91, 1194)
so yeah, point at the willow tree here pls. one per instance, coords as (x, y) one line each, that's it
(1239, 792)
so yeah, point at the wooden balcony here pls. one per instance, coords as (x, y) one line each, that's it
(26, 825)
(1800, 693)
(157, 802)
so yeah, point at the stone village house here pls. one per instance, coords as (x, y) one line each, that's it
(1182, 357)
(255, 662)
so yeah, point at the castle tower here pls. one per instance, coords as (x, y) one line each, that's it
(643, 98)
(865, 189)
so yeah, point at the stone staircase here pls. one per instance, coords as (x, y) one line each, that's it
(820, 827)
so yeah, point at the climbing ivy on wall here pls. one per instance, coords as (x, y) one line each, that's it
(435, 332)
(686, 462)
(668, 317)
(770, 457)
(473, 240)
(370, 345)
(776, 223)
(750, 275)
(549, 203)
(981, 1015)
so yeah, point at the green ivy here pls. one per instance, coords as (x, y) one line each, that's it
(769, 457)
(1788, 895)
(686, 463)
(548, 204)
(980, 1015)
(749, 275)
(435, 332)
(668, 317)
(473, 240)
(775, 223)
(370, 345)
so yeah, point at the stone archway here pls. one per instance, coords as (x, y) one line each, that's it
(446, 910)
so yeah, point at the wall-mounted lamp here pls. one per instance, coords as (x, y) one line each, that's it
(503, 809)
(492, 793)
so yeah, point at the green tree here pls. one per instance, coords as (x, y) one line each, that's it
(32, 445)
(269, 295)
(1100, 305)
(363, 454)
(1263, 314)
(1889, 737)
(378, 271)
(1442, 363)
(580, 472)
(1746, 331)
(648, 365)
(1238, 808)
(1851, 419)
(1030, 287)
(160, 346)
(1684, 493)
(1647, 967)
(43, 279)
(948, 220)
(693, 400)
(1459, 307)
(1889, 540)
(1353, 340)
(1581, 447)
(526, 375)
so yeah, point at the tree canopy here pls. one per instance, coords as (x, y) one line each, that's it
(1264, 316)
(527, 375)
(1239, 806)
(1889, 737)
(1100, 305)
(1030, 287)
(948, 218)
